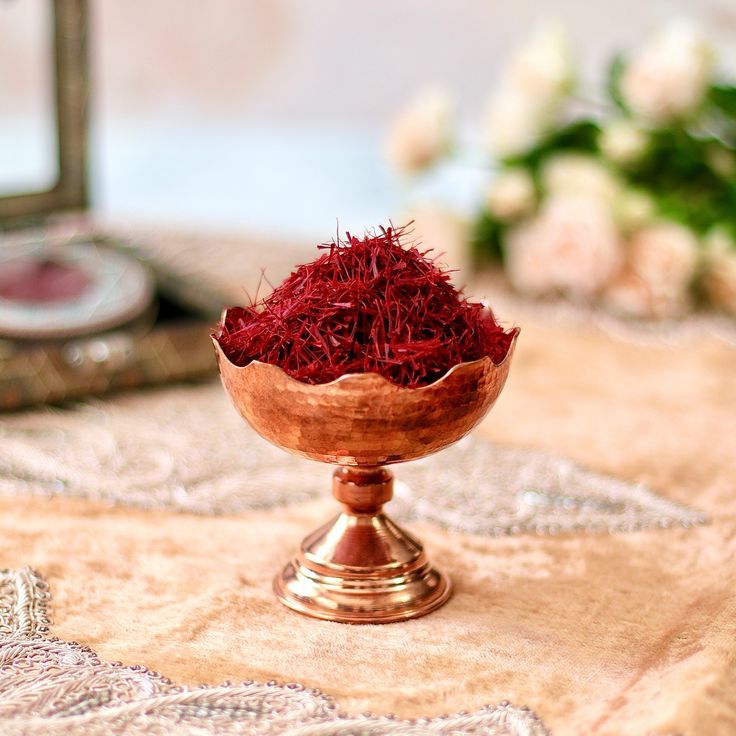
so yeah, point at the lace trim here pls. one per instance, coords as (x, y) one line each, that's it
(121, 451)
(56, 687)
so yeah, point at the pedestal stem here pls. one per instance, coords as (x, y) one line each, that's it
(363, 490)
(362, 567)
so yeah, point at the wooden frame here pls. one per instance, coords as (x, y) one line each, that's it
(71, 91)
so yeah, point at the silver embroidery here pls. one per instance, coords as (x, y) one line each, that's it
(55, 687)
(123, 451)
(509, 491)
(24, 597)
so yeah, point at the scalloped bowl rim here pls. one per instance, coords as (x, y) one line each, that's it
(371, 375)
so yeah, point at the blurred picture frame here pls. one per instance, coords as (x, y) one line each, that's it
(71, 94)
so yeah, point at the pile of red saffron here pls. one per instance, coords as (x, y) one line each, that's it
(365, 305)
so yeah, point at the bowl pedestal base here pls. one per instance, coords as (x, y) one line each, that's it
(361, 567)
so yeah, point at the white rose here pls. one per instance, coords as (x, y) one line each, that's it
(631, 296)
(634, 209)
(668, 77)
(542, 67)
(420, 133)
(717, 241)
(511, 194)
(530, 92)
(623, 142)
(660, 266)
(719, 271)
(514, 123)
(571, 247)
(579, 173)
(665, 253)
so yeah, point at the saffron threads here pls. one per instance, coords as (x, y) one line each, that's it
(365, 305)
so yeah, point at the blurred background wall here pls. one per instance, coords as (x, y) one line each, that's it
(238, 114)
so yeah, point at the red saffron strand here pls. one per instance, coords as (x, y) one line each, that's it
(366, 305)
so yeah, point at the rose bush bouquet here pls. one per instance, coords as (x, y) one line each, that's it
(631, 206)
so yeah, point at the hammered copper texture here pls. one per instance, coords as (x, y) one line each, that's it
(363, 419)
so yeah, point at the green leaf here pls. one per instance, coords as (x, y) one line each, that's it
(724, 98)
(615, 71)
(580, 135)
(677, 172)
(486, 239)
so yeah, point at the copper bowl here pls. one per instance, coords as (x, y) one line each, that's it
(361, 567)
